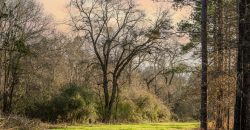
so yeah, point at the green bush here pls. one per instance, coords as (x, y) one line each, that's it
(74, 103)
(139, 106)
(77, 104)
(124, 111)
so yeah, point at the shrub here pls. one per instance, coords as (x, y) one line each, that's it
(74, 103)
(139, 105)
(20, 123)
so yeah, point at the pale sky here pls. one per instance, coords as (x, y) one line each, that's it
(57, 8)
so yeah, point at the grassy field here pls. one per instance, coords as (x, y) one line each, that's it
(150, 126)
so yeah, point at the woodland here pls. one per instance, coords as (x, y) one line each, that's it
(118, 64)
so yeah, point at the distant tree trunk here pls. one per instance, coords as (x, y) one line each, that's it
(130, 74)
(220, 59)
(203, 110)
(10, 82)
(242, 105)
(228, 91)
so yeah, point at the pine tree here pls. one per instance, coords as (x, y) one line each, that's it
(242, 106)
(203, 110)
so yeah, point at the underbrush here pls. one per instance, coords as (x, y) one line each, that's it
(20, 123)
(138, 105)
(73, 104)
(79, 104)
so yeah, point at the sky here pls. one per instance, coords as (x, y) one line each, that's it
(57, 9)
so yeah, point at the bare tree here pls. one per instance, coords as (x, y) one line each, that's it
(22, 24)
(117, 32)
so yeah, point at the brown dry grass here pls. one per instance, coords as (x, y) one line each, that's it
(20, 123)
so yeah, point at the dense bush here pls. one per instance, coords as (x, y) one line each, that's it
(139, 105)
(73, 103)
(78, 104)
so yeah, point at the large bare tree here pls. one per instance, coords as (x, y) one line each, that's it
(117, 32)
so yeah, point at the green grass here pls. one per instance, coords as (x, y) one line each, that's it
(150, 126)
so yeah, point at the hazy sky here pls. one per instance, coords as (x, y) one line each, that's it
(57, 8)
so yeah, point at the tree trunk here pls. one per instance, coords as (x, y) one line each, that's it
(219, 42)
(242, 105)
(10, 83)
(6, 109)
(105, 117)
(109, 104)
(203, 110)
(228, 91)
(130, 74)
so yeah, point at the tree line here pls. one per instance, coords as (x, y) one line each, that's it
(118, 64)
(92, 75)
